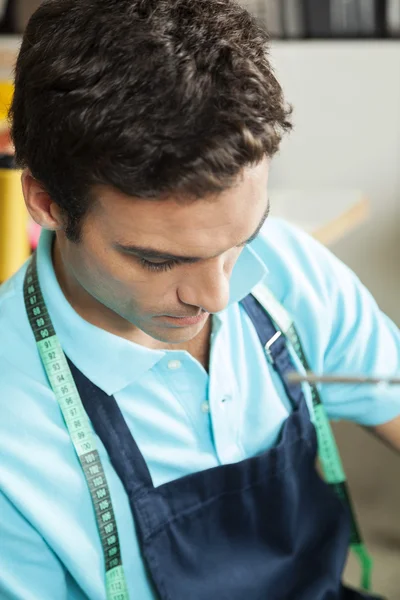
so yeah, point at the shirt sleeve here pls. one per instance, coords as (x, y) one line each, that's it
(341, 327)
(29, 570)
(363, 340)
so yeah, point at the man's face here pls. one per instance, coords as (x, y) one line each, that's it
(124, 257)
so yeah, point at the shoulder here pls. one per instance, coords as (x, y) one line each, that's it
(23, 383)
(31, 421)
(17, 345)
(304, 276)
(331, 308)
(293, 256)
(340, 325)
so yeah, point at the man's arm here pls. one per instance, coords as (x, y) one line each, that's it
(363, 341)
(389, 433)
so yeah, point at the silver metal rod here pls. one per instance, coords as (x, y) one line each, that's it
(309, 377)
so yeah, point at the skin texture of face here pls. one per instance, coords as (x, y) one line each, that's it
(112, 288)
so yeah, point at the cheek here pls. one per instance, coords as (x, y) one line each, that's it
(93, 267)
(119, 281)
(98, 263)
(95, 271)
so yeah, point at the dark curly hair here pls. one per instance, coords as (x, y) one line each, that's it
(152, 97)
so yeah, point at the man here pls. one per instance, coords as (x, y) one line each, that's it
(145, 129)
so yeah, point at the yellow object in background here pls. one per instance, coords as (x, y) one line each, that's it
(6, 94)
(14, 243)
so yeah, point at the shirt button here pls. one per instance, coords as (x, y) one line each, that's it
(173, 365)
(205, 407)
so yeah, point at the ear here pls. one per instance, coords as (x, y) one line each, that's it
(41, 207)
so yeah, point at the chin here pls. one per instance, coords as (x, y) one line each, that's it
(176, 335)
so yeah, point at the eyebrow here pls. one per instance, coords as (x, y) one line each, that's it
(153, 254)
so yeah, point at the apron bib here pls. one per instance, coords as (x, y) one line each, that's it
(265, 528)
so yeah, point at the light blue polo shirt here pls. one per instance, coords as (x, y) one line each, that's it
(183, 419)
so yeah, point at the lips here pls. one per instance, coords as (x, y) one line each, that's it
(185, 317)
(184, 321)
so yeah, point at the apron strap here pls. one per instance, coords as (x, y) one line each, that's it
(275, 345)
(111, 428)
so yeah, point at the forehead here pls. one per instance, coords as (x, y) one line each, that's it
(182, 224)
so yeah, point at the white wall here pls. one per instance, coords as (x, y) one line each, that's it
(346, 96)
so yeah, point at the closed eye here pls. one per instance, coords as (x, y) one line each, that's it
(155, 267)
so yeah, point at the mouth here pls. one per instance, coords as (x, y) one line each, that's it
(184, 321)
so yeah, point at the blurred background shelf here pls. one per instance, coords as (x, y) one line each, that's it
(341, 19)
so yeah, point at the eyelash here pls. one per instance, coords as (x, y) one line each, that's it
(168, 265)
(158, 267)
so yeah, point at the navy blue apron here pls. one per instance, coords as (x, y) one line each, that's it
(267, 528)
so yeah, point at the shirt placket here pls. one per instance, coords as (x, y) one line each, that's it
(223, 401)
(189, 383)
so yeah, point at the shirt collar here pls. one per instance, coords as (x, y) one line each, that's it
(109, 361)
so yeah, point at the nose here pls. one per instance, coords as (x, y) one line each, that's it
(206, 286)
